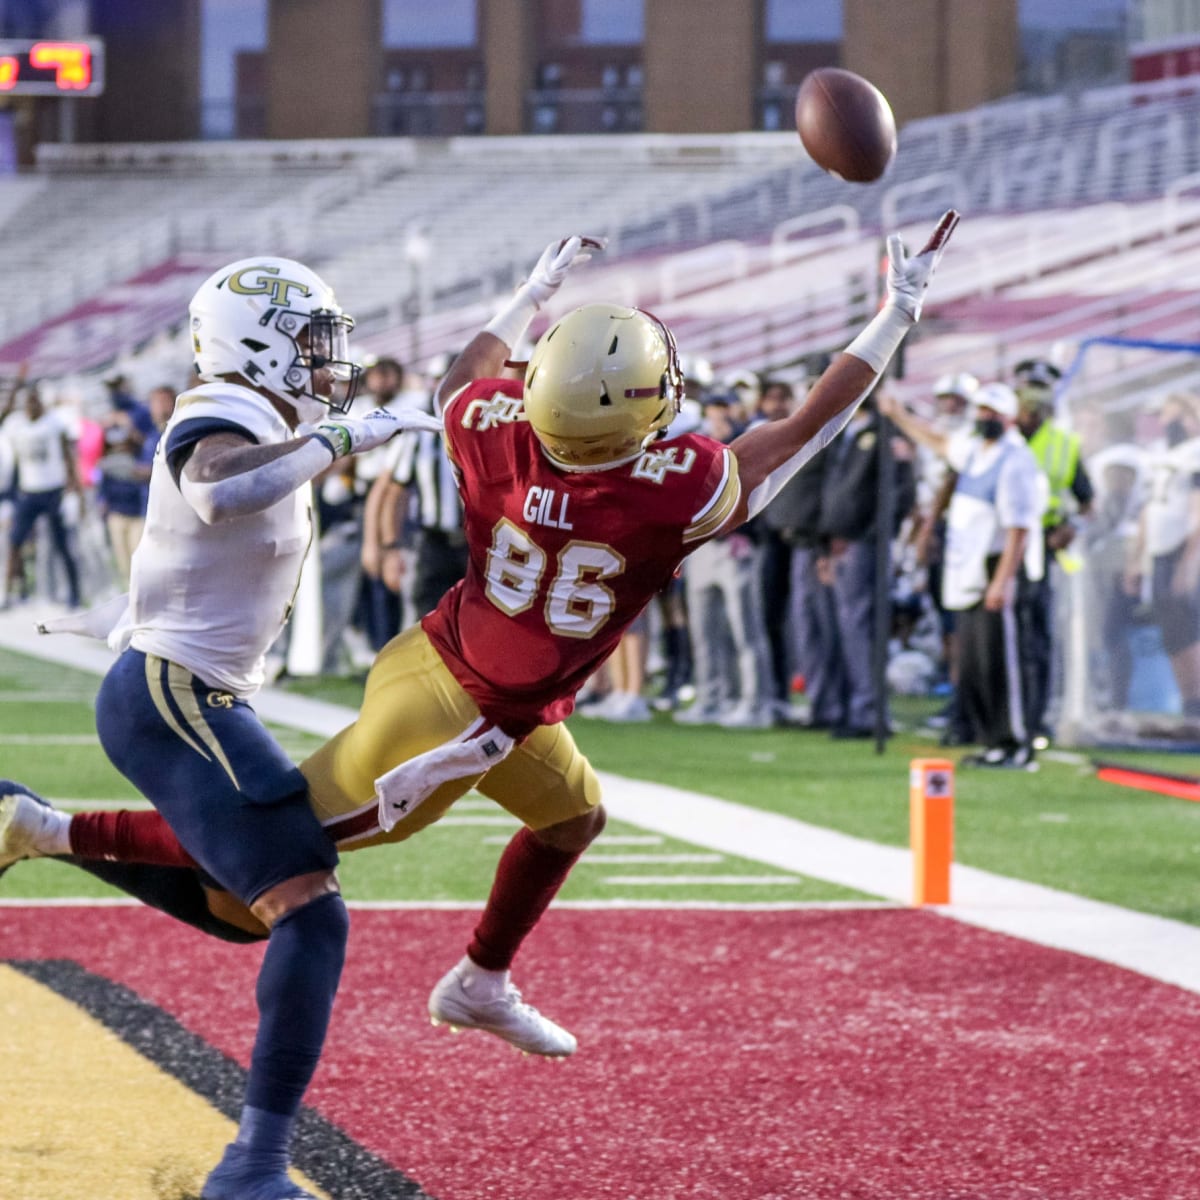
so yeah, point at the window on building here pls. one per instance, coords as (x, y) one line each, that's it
(545, 118)
(407, 25)
(803, 20)
(593, 22)
(227, 28)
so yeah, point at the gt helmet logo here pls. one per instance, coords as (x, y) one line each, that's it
(278, 289)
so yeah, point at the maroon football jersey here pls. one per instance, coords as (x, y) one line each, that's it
(561, 562)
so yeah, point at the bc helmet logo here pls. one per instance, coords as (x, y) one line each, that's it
(260, 281)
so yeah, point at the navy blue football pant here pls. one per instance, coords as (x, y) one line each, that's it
(236, 802)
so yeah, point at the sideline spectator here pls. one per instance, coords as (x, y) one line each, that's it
(1110, 539)
(45, 475)
(998, 501)
(952, 396)
(775, 550)
(122, 488)
(133, 412)
(1058, 455)
(414, 505)
(721, 582)
(1166, 567)
(850, 504)
(381, 610)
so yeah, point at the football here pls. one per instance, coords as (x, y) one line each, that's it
(846, 124)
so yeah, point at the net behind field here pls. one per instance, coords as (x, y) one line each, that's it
(1127, 594)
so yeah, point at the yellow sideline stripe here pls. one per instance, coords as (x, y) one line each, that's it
(86, 1116)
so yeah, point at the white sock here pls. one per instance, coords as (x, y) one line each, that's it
(54, 837)
(481, 982)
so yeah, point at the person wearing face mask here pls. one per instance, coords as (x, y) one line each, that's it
(998, 501)
(952, 401)
(1166, 564)
(1070, 488)
(1109, 538)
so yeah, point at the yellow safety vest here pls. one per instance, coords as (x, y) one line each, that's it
(1057, 453)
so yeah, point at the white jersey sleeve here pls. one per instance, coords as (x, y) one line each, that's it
(214, 597)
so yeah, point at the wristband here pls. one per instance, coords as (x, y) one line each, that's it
(336, 437)
(510, 323)
(876, 344)
(326, 442)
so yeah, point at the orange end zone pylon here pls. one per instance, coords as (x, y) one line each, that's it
(931, 828)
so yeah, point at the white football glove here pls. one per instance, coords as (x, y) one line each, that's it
(557, 259)
(353, 435)
(908, 278)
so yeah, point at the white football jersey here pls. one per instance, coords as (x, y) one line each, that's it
(213, 598)
(37, 448)
(1174, 476)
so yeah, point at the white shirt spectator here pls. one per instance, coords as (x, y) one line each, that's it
(1174, 476)
(37, 448)
(1000, 487)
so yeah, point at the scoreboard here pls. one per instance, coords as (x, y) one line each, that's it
(51, 68)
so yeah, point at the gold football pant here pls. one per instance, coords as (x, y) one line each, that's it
(413, 704)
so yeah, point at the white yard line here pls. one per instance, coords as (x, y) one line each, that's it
(47, 739)
(600, 859)
(1157, 947)
(504, 822)
(694, 880)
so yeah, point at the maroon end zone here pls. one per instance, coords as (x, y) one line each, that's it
(815, 1054)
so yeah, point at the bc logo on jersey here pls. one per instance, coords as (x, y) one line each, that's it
(655, 464)
(483, 415)
(265, 283)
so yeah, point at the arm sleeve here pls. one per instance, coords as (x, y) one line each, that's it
(181, 441)
(258, 488)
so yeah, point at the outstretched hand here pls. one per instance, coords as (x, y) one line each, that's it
(354, 435)
(557, 259)
(908, 278)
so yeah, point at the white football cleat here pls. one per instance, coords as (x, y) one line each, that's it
(29, 827)
(469, 998)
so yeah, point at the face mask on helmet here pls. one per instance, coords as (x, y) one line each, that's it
(601, 384)
(276, 324)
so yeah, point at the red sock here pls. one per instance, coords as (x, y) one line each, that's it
(527, 879)
(139, 837)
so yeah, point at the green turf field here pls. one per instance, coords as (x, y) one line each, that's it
(1060, 827)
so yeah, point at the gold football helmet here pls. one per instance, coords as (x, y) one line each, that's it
(601, 383)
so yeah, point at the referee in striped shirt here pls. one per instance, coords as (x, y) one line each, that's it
(414, 506)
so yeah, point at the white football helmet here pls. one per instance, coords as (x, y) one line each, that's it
(601, 384)
(274, 322)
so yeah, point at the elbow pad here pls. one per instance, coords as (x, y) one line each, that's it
(257, 489)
